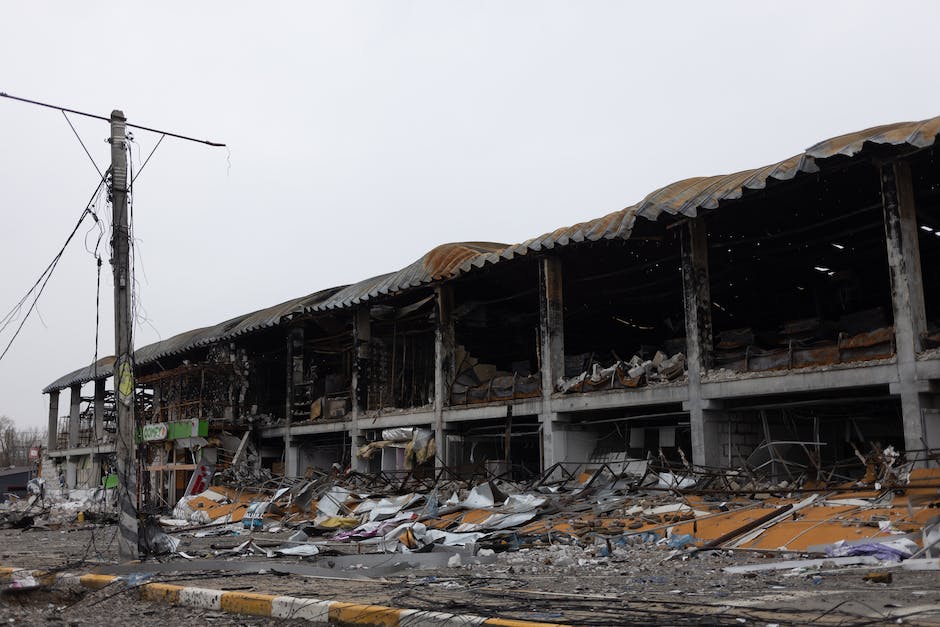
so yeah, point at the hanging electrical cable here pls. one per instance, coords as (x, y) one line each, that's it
(37, 288)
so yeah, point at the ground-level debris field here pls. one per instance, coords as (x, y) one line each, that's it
(637, 544)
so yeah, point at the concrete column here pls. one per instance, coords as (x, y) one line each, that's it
(99, 410)
(706, 417)
(288, 394)
(551, 356)
(295, 376)
(75, 404)
(444, 347)
(696, 298)
(293, 459)
(907, 296)
(71, 471)
(53, 435)
(362, 334)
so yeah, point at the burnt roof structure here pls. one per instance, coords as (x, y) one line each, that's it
(449, 261)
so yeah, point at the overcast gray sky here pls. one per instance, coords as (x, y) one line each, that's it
(363, 134)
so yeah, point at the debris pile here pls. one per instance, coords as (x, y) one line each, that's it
(637, 372)
(860, 336)
(885, 519)
(477, 382)
(54, 508)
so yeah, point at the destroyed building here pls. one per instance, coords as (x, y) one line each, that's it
(721, 319)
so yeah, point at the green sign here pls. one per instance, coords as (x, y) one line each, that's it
(177, 430)
(153, 432)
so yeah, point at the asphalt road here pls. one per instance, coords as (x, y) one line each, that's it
(560, 583)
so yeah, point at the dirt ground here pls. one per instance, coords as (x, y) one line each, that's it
(630, 584)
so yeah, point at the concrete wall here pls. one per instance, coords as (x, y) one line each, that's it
(739, 435)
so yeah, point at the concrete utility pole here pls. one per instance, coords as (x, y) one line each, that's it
(124, 387)
(128, 538)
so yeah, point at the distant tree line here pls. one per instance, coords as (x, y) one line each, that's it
(16, 442)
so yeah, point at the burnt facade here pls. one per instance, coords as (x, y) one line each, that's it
(794, 306)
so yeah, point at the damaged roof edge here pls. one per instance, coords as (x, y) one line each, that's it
(449, 261)
(188, 340)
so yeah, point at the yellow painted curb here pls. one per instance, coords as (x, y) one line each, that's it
(44, 578)
(511, 622)
(247, 603)
(165, 592)
(356, 614)
(96, 582)
(250, 603)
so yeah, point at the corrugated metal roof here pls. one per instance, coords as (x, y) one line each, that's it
(914, 134)
(689, 196)
(188, 340)
(105, 368)
(443, 262)
(449, 261)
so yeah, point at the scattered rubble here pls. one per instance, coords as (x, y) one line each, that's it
(883, 519)
(55, 508)
(652, 528)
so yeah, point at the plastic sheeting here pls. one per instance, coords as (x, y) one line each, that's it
(885, 550)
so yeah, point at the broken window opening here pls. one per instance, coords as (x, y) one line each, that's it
(496, 318)
(624, 325)
(507, 447)
(322, 371)
(397, 364)
(323, 453)
(819, 439)
(783, 294)
(925, 176)
(230, 383)
(628, 439)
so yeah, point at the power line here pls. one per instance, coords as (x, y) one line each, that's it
(108, 119)
(11, 315)
(44, 278)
